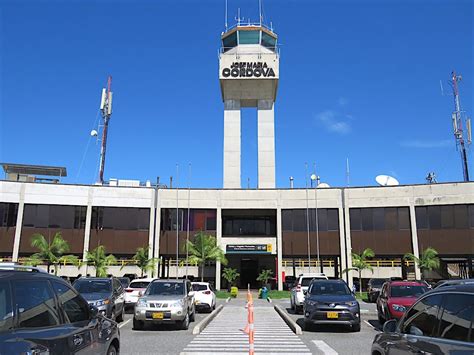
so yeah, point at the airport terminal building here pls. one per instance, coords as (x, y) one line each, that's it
(283, 229)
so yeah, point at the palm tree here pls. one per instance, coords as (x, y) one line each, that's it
(142, 261)
(50, 253)
(359, 263)
(203, 249)
(230, 275)
(100, 261)
(265, 274)
(428, 260)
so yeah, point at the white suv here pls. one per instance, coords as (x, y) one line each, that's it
(301, 287)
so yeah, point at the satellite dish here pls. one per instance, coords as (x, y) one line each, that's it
(323, 185)
(93, 133)
(386, 180)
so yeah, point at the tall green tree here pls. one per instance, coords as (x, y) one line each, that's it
(100, 260)
(50, 253)
(204, 248)
(360, 263)
(428, 260)
(230, 275)
(142, 261)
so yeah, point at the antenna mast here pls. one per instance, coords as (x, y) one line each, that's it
(458, 126)
(106, 111)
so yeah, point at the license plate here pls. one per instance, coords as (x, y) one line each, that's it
(157, 315)
(332, 315)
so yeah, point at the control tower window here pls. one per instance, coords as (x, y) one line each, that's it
(249, 37)
(268, 41)
(230, 41)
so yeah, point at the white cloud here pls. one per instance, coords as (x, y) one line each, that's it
(426, 144)
(333, 122)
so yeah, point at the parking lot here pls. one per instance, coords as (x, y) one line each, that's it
(322, 340)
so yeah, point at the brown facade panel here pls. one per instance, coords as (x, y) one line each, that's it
(7, 237)
(75, 238)
(388, 242)
(168, 241)
(119, 242)
(296, 243)
(447, 241)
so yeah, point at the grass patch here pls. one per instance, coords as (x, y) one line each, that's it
(364, 296)
(222, 294)
(274, 294)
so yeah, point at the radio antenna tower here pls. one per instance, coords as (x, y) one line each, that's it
(106, 111)
(457, 117)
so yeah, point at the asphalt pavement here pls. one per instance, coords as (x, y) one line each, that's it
(166, 339)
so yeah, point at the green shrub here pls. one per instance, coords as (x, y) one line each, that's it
(233, 291)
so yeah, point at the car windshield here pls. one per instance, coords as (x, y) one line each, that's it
(305, 281)
(198, 287)
(139, 284)
(165, 288)
(408, 290)
(329, 288)
(377, 282)
(93, 286)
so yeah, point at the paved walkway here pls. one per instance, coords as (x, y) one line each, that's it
(224, 334)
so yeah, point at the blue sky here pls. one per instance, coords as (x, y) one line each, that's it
(358, 80)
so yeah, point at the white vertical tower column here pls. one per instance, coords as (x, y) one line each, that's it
(19, 223)
(232, 144)
(266, 144)
(414, 238)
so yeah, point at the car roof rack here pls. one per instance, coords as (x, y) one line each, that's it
(16, 267)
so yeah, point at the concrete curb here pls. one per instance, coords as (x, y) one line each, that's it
(291, 323)
(227, 300)
(198, 328)
(269, 300)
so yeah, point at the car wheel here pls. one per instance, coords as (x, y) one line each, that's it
(137, 324)
(214, 306)
(184, 324)
(381, 319)
(192, 318)
(120, 316)
(355, 327)
(112, 350)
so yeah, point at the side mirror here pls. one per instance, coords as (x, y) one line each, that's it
(93, 311)
(390, 326)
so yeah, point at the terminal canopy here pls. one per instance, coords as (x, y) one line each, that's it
(249, 35)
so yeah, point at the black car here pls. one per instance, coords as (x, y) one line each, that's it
(106, 294)
(445, 283)
(331, 302)
(43, 314)
(440, 322)
(373, 288)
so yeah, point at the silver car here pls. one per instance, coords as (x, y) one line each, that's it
(165, 301)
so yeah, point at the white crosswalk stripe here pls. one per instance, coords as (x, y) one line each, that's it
(224, 335)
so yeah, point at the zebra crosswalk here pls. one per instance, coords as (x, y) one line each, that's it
(224, 335)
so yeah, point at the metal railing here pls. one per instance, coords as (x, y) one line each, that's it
(330, 263)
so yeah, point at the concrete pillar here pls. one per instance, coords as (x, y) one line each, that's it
(151, 230)
(414, 238)
(279, 246)
(87, 228)
(19, 223)
(232, 142)
(156, 252)
(266, 144)
(345, 235)
(219, 240)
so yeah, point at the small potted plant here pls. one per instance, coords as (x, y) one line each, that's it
(264, 276)
(230, 275)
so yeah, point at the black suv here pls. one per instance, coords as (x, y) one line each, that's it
(43, 314)
(440, 322)
(106, 294)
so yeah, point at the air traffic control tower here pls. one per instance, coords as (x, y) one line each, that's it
(248, 75)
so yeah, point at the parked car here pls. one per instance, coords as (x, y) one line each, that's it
(135, 290)
(125, 281)
(396, 297)
(373, 288)
(166, 301)
(440, 322)
(106, 294)
(289, 282)
(299, 290)
(331, 302)
(204, 296)
(446, 283)
(131, 276)
(42, 314)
